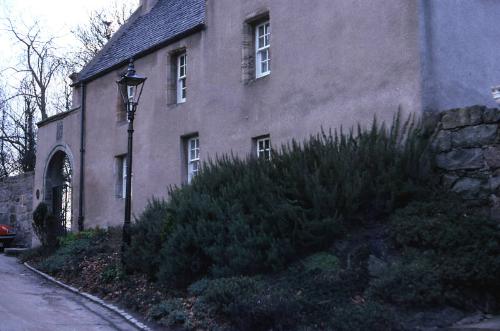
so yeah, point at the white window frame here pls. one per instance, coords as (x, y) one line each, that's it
(124, 176)
(121, 176)
(260, 50)
(181, 78)
(193, 157)
(262, 150)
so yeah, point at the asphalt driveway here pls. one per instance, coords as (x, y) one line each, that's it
(30, 303)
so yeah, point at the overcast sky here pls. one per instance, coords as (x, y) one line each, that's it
(58, 17)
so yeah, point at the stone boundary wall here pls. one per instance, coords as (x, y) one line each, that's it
(467, 147)
(16, 206)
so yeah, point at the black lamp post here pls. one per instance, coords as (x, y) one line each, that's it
(130, 86)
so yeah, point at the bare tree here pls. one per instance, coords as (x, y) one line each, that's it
(18, 133)
(100, 27)
(61, 101)
(41, 84)
(39, 63)
(5, 167)
(30, 99)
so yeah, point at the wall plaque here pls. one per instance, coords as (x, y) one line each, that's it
(59, 133)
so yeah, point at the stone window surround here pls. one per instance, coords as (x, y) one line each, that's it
(121, 112)
(171, 74)
(248, 45)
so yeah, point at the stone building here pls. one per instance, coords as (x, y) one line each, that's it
(244, 76)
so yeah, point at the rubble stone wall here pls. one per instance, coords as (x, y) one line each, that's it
(467, 146)
(16, 206)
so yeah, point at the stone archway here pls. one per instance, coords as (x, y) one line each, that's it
(59, 188)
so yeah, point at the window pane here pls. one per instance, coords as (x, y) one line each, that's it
(263, 67)
(261, 42)
(261, 30)
(183, 88)
(192, 146)
(194, 149)
(264, 55)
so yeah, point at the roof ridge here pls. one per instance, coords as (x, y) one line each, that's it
(115, 36)
(167, 20)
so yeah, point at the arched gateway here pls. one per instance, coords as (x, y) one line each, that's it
(58, 188)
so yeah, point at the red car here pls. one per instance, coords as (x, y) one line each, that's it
(7, 234)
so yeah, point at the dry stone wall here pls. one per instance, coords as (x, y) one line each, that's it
(16, 206)
(467, 146)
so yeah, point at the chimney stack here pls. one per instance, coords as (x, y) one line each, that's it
(146, 5)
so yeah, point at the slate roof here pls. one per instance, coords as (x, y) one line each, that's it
(167, 20)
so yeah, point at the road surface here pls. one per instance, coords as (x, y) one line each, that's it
(31, 303)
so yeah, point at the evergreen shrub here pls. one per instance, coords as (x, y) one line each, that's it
(170, 312)
(367, 316)
(73, 249)
(447, 250)
(46, 227)
(251, 303)
(243, 217)
(148, 235)
(412, 282)
(298, 298)
(251, 216)
(323, 262)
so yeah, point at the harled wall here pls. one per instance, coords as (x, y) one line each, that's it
(334, 63)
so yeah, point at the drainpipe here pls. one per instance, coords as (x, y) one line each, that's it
(82, 160)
